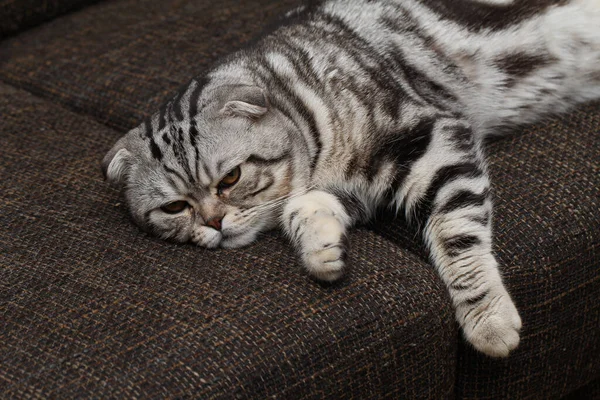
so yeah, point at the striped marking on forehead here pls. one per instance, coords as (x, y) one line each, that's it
(173, 133)
(149, 134)
(185, 104)
(181, 179)
(205, 175)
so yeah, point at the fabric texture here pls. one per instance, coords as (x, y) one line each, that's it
(89, 305)
(591, 391)
(17, 15)
(546, 182)
(119, 60)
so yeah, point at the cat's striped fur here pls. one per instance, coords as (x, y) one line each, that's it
(350, 105)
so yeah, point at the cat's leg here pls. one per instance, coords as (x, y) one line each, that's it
(316, 222)
(458, 232)
(460, 240)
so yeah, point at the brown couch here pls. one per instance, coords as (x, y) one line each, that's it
(92, 307)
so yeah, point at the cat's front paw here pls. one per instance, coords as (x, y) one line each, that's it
(328, 263)
(324, 249)
(316, 222)
(493, 326)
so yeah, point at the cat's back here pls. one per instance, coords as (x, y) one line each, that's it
(473, 16)
(487, 14)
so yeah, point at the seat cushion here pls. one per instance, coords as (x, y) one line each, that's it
(17, 15)
(90, 306)
(116, 61)
(546, 182)
(119, 60)
(547, 217)
(590, 391)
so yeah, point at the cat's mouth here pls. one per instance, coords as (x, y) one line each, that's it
(231, 235)
(212, 239)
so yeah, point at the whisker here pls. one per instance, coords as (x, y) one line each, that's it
(277, 201)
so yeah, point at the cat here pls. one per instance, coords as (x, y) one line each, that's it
(351, 105)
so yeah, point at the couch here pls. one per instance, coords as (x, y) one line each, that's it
(91, 307)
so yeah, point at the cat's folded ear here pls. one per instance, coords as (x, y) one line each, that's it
(116, 162)
(245, 101)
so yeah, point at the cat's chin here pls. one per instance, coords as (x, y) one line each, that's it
(244, 235)
(234, 242)
(212, 239)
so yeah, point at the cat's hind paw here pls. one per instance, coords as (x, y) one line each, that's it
(493, 327)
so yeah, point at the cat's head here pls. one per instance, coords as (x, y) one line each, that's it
(209, 167)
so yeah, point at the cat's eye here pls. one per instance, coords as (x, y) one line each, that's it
(230, 179)
(175, 207)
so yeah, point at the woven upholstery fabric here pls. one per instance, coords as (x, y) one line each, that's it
(109, 310)
(16, 15)
(92, 307)
(547, 217)
(119, 60)
(591, 391)
(547, 189)
(546, 182)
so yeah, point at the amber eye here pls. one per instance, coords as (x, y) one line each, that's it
(175, 207)
(230, 179)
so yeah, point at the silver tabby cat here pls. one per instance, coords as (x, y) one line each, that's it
(351, 105)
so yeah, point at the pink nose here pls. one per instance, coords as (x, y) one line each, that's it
(215, 223)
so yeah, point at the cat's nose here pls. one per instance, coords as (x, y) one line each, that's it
(215, 223)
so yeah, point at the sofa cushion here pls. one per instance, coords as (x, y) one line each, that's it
(547, 219)
(119, 60)
(16, 15)
(92, 307)
(546, 182)
(590, 391)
